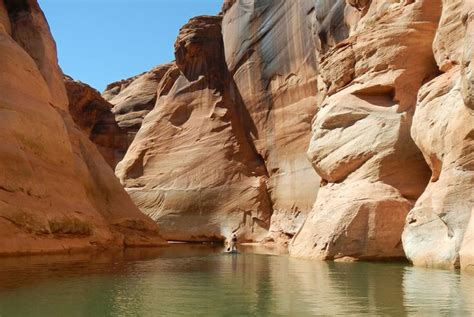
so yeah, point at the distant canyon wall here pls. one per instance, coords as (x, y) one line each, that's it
(57, 193)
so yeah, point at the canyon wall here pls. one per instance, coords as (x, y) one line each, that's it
(443, 128)
(192, 166)
(133, 98)
(93, 114)
(225, 149)
(398, 100)
(344, 128)
(361, 145)
(385, 88)
(57, 193)
(270, 51)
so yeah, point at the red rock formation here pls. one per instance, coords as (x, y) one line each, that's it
(223, 132)
(93, 114)
(134, 97)
(270, 91)
(191, 166)
(270, 51)
(56, 191)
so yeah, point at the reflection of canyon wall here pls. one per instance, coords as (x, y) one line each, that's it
(430, 293)
(56, 191)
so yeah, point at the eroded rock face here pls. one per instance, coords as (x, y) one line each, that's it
(191, 166)
(467, 92)
(268, 81)
(443, 128)
(56, 191)
(270, 51)
(225, 147)
(134, 97)
(93, 114)
(467, 248)
(361, 146)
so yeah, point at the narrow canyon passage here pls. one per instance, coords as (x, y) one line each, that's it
(284, 158)
(342, 130)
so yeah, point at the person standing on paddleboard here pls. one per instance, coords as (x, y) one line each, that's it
(233, 243)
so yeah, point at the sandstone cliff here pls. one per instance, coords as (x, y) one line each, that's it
(249, 173)
(403, 74)
(346, 125)
(443, 128)
(191, 166)
(93, 114)
(385, 87)
(56, 191)
(361, 145)
(133, 98)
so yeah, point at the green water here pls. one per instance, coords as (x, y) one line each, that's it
(195, 280)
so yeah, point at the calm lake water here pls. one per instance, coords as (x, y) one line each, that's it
(198, 280)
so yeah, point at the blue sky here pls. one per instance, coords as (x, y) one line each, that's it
(101, 41)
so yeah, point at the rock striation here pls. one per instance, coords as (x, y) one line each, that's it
(134, 97)
(93, 114)
(192, 166)
(56, 191)
(388, 174)
(264, 61)
(270, 52)
(343, 128)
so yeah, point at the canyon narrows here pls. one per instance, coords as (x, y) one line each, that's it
(343, 129)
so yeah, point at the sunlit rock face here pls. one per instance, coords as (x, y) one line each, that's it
(443, 128)
(361, 146)
(260, 65)
(93, 115)
(112, 120)
(270, 49)
(56, 191)
(313, 120)
(135, 97)
(192, 165)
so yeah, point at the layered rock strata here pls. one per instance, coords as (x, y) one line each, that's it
(270, 52)
(93, 114)
(192, 166)
(385, 86)
(135, 97)
(56, 191)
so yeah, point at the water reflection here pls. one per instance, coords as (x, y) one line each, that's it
(200, 280)
(438, 292)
